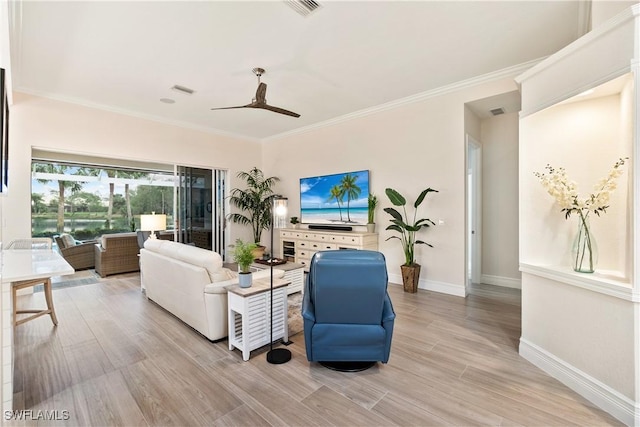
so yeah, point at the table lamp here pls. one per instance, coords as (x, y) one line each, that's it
(153, 223)
(279, 215)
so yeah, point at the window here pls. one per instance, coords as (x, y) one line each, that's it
(88, 201)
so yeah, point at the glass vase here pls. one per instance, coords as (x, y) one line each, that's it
(585, 249)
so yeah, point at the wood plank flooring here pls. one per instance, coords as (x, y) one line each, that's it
(116, 359)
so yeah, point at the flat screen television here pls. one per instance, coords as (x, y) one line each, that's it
(335, 199)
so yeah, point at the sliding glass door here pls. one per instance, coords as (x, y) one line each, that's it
(201, 210)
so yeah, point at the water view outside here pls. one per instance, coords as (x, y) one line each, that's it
(89, 202)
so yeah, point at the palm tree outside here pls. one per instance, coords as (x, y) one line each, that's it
(62, 201)
(73, 186)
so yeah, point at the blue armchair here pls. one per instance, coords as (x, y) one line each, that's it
(348, 315)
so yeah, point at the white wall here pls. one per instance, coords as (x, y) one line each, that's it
(408, 148)
(59, 126)
(590, 332)
(500, 263)
(6, 326)
(583, 328)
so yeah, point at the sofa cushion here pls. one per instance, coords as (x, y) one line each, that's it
(209, 260)
(67, 240)
(222, 275)
(104, 240)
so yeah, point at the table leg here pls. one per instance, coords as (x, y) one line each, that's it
(49, 297)
(245, 338)
(232, 328)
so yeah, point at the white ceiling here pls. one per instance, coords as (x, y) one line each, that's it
(345, 57)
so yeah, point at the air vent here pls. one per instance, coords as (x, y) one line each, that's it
(497, 111)
(183, 89)
(303, 7)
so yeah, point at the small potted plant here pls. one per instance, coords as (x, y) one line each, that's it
(372, 202)
(294, 221)
(243, 255)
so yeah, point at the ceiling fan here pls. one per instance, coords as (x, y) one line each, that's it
(260, 101)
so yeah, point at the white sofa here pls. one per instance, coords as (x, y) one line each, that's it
(191, 283)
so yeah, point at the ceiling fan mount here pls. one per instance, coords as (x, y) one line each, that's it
(260, 100)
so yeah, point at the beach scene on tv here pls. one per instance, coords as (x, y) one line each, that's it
(335, 199)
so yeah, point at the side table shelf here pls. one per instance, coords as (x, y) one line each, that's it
(250, 315)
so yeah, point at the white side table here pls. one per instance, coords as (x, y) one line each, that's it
(293, 273)
(250, 315)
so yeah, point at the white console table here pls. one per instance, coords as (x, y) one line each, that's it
(299, 245)
(250, 315)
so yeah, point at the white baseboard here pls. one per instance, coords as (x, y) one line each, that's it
(506, 282)
(600, 394)
(432, 285)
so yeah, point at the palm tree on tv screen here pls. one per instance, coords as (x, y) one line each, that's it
(349, 187)
(337, 193)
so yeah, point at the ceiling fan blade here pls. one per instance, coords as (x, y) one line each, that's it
(261, 93)
(277, 110)
(231, 108)
(260, 101)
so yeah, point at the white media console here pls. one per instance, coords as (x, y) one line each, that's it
(299, 245)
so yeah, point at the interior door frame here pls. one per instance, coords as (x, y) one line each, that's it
(473, 211)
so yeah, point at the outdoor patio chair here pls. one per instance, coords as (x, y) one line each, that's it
(80, 255)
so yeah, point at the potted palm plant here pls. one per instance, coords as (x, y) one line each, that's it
(407, 229)
(243, 255)
(372, 202)
(255, 203)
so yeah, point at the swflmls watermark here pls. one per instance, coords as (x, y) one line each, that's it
(37, 415)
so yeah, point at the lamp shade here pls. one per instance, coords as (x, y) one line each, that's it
(280, 212)
(153, 222)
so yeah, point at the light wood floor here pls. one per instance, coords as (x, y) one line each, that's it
(117, 359)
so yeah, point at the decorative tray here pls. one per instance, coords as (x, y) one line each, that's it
(275, 261)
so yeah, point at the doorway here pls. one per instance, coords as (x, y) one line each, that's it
(201, 207)
(474, 212)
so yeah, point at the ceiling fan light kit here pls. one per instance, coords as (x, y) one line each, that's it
(260, 100)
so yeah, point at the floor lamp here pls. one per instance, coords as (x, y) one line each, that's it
(279, 215)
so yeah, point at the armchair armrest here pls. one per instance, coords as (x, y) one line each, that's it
(78, 249)
(387, 310)
(308, 310)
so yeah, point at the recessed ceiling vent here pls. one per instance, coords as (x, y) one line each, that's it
(183, 89)
(303, 7)
(497, 111)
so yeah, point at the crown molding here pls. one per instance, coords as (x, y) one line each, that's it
(454, 87)
(583, 41)
(131, 113)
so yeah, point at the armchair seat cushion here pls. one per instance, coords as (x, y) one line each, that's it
(347, 343)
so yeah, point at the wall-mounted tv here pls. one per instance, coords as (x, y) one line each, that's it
(335, 199)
